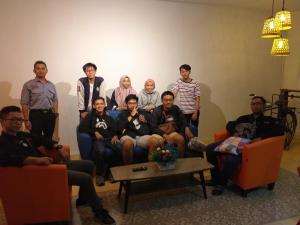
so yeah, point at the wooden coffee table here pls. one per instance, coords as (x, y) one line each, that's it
(125, 174)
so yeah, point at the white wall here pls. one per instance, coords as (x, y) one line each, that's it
(143, 39)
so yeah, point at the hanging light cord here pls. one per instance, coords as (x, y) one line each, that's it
(283, 5)
(272, 8)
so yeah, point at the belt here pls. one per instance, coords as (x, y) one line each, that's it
(42, 110)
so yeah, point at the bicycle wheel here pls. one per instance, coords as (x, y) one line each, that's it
(289, 124)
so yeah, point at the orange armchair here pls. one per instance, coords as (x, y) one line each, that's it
(35, 194)
(260, 162)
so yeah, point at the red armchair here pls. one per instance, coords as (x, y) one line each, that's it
(35, 194)
(260, 162)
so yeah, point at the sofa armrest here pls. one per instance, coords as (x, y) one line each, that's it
(264, 148)
(43, 190)
(221, 135)
(261, 162)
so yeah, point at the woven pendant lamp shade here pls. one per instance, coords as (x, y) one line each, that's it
(280, 47)
(271, 28)
(285, 20)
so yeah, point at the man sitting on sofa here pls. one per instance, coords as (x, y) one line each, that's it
(18, 149)
(135, 128)
(255, 126)
(170, 124)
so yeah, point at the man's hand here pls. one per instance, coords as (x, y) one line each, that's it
(115, 140)
(98, 136)
(83, 114)
(236, 134)
(134, 111)
(65, 155)
(195, 115)
(28, 125)
(168, 139)
(188, 133)
(44, 161)
(142, 118)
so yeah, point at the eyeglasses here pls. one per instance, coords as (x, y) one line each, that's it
(16, 120)
(256, 103)
(131, 103)
(89, 70)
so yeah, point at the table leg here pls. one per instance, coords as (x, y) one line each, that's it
(127, 192)
(203, 184)
(120, 189)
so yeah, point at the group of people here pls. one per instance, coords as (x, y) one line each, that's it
(148, 120)
(143, 122)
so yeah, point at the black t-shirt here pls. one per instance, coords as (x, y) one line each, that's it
(251, 127)
(104, 124)
(15, 149)
(139, 125)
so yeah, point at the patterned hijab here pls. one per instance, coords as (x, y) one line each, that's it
(121, 92)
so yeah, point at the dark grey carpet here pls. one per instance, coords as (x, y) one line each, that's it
(183, 206)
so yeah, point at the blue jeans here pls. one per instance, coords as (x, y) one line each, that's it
(230, 164)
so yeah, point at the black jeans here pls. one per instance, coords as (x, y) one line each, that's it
(106, 155)
(230, 163)
(42, 122)
(80, 174)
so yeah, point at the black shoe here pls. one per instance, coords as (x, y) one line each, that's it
(105, 218)
(100, 181)
(80, 202)
(218, 190)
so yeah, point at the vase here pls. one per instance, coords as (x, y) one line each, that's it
(166, 165)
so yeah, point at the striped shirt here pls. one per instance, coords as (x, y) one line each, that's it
(187, 91)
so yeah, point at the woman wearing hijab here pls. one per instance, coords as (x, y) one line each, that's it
(149, 99)
(121, 92)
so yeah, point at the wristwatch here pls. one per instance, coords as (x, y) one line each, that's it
(59, 147)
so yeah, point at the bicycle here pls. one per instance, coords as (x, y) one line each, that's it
(280, 109)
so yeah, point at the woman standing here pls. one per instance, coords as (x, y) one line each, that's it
(121, 92)
(149, 99)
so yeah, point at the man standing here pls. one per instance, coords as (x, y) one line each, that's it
(18, 149)
(169, 123)
(39, 103)
(89, 88)
(189, 96)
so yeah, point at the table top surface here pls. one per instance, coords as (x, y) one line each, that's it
(183, 165)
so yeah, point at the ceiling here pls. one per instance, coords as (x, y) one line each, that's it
(292, 5)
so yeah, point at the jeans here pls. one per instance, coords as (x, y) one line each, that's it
(80, 174)
(230, 164)
(106, 155)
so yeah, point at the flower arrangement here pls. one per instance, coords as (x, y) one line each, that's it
(165, 157)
